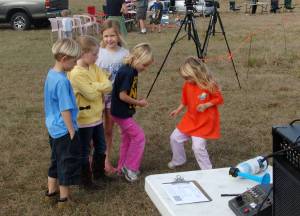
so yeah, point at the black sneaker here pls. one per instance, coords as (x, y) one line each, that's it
(64, 203)
(51, 198)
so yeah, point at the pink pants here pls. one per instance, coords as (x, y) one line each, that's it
(132, 144)
(177, 140)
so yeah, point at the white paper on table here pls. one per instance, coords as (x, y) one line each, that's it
(184, 192)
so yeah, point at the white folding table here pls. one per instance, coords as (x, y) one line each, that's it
(214, 182)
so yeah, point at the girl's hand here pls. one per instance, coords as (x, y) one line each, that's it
(174, 113)
(177, 111)
(202, 107)
(142, 103)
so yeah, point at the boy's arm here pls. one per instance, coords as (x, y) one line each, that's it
(68, 122)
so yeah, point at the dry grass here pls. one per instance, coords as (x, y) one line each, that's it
(269, 96)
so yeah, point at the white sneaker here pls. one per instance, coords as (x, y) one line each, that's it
(130, 175)
(171, 165)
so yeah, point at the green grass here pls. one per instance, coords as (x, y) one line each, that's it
(269, 96)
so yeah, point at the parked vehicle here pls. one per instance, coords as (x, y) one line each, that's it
(202, 7)
(21, 14)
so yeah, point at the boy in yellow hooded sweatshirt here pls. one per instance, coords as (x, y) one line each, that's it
(89, 83)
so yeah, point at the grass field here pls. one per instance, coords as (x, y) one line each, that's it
(270, 78)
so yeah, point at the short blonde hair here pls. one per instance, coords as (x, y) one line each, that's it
(66, 47)
(65, 13)
(115, 25)
(87, 43)
(196, 70)
(140, 54)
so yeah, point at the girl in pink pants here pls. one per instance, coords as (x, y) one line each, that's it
(123, 103)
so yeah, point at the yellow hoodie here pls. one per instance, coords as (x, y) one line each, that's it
(89, 85)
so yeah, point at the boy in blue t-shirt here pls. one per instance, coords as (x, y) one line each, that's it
(61, 122)
(156, 15)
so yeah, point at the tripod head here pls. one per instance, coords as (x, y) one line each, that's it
(189, 4)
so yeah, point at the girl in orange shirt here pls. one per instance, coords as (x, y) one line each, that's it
(201, 96)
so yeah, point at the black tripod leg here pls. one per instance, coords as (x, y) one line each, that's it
(167, 55)
(228, 48)
(196, 40)
(208, 34)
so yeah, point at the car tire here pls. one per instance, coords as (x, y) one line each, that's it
(20, 21)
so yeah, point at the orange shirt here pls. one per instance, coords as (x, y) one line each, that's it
(200, 124)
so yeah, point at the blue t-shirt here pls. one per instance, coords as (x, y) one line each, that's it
(126, 80)
(58, 97)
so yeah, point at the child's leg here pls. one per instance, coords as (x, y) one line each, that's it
(177, 140)
(52, 185)
(124, 143)
(85, 135)
(64, 192)
(159, 27)
(136, 145)
(52, 171)
(68, 162)
(108, 127)
(99, 153)
(123, 149)
(132, 146)
(201, 154)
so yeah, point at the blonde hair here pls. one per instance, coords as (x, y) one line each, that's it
(108, 24)
(87, 43)
(195, 69)
(65, 13)
(66, 47)
(140, 54)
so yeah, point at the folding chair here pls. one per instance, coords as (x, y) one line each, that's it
(55, 28)
(84, 22)
(77, 27)
(98, 16)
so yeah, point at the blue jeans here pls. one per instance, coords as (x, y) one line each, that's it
(95, 133)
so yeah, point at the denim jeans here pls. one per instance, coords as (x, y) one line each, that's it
(95, 134)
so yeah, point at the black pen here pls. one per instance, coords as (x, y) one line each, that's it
(224, 195)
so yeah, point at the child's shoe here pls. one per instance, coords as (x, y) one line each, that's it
(130, 175)
(51, 198)
(65, 203)
(171, 165)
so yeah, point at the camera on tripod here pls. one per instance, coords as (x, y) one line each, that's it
(189, 4)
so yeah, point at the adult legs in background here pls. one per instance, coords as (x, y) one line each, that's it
(254, 7)
(142, 26)
(141, 14)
